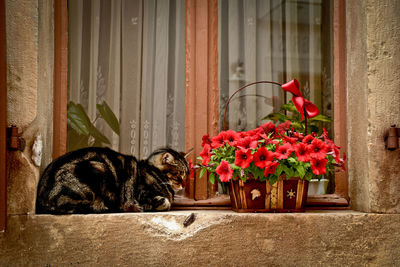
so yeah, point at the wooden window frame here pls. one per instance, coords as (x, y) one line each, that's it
(3, 119)
(201, 50)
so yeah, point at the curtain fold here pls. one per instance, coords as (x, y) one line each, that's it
(276, 41)
(130, 54)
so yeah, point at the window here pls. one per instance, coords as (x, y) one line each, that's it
(202, 85)
(129, 55)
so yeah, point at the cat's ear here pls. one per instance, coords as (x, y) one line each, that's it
(167, 158)
(186, 155)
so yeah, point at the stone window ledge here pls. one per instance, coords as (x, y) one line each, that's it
(215, 237)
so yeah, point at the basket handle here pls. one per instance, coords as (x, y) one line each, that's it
(240, 89)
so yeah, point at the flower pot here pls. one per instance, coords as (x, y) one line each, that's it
(286, 195)
(318, 187)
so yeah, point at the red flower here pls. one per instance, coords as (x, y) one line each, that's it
(290, 140)
(318, 166)
(301, 152)
(283, 152)
(224, 171)
(283, 127)
(206, 154)
(218, 140)
(243, 158)
(268, 128)
(308, 139)
(191, 168)
(318, 149)
(343, 162)
(262, 157)
(270, 168)
(247, 143)
(206, 140)
(231, 137)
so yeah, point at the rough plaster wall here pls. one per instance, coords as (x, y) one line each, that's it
(216, 238)
(29, 92)
(373, 69)
(357, 110)
(384, 102)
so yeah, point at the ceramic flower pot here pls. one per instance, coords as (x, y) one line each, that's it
(286, 195)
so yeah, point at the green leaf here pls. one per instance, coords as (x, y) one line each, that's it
(273, 179)
(289, 173)
(309, 176)
(76, 141)
(108, 116)
(276, 117)
(300, 169)
(279, 170)
(202, 172)
(289, 107)
(321, 118)
(98, 135)
(211, 178)
(77, 118)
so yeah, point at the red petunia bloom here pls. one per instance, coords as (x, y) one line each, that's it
(283, 127)
(219, 140)
(270, 168)
(206, 154)
(290, 140)
(247, 142)
(224, 171)
(301, 152)
(206, 140)
(308, 139)
(243, 158)
(268, 128)
(318, 166)
(318, 149)
(231, 137)
(262, 157)
(283, 152)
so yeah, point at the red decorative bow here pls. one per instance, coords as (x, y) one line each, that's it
(299, 101)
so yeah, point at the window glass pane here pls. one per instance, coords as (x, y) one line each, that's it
(128, 56)
(274, 41)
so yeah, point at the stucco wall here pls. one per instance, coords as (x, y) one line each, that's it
(373, 86)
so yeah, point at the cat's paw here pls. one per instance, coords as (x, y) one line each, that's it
(161, 203)
(132, 207)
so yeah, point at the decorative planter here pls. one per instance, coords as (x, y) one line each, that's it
(318, 187)
(286, 195)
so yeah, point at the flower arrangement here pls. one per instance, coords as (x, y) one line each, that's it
(267, 152)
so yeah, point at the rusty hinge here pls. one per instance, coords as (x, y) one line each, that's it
(14, 140)
(392, 138)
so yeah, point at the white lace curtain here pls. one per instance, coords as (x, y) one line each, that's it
(275, 40)
(131, 54)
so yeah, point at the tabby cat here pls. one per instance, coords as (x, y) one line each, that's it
(99, 180)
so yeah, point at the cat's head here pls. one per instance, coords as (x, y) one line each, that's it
(171, 163)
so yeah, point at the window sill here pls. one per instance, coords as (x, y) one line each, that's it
(222, 202)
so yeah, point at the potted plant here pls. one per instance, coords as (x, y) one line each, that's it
(268, 168)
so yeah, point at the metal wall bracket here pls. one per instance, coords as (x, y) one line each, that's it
(14, 140)
(392, 138)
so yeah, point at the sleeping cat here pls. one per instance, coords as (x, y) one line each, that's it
(99, 180)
